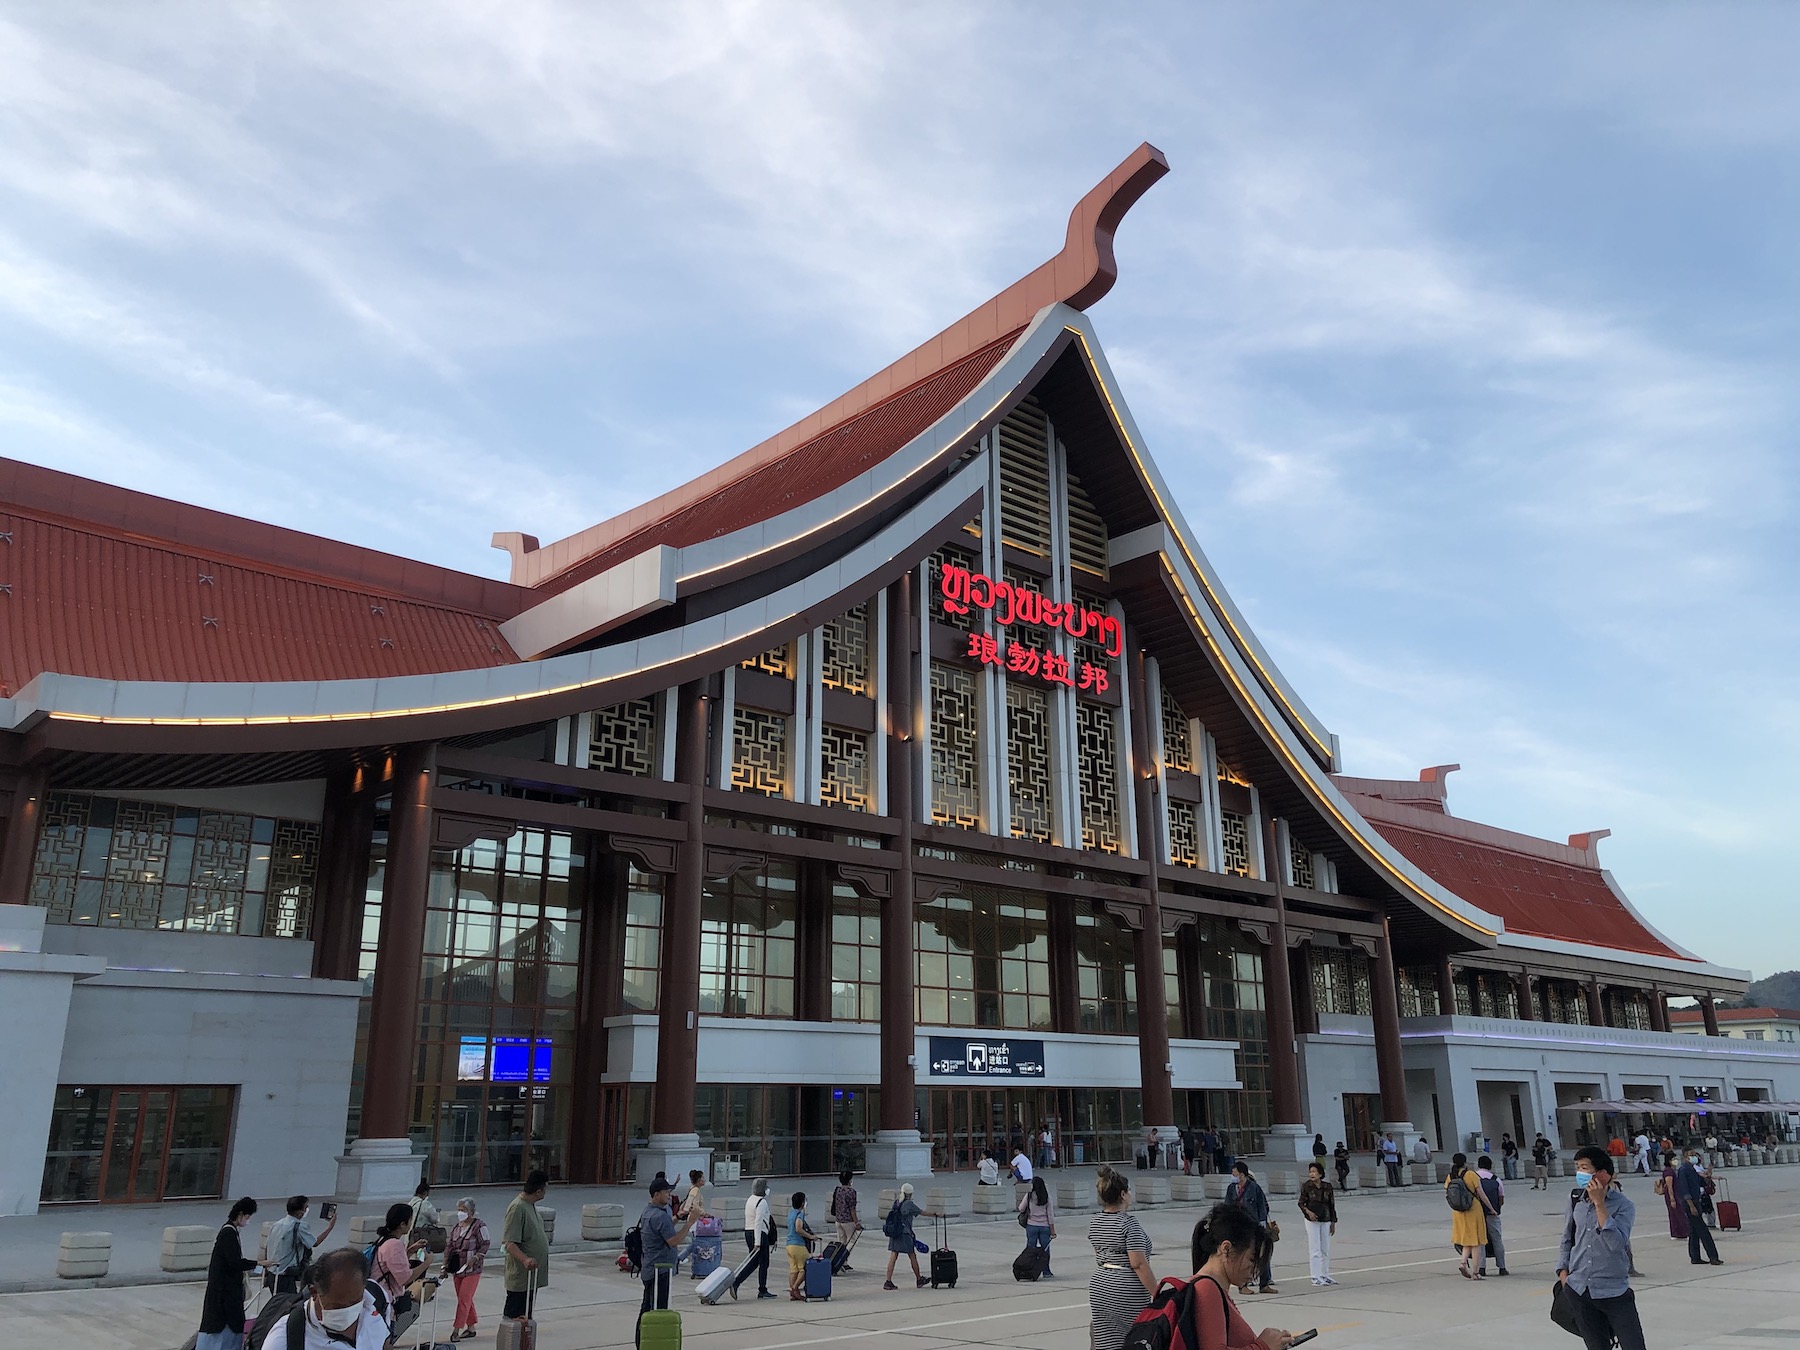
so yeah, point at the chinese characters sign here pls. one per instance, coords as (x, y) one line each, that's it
(963, 590)
(1018, 659)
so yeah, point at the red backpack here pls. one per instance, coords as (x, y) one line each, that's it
(1165, 1324)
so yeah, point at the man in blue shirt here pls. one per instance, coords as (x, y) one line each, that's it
(1690, 1194)
(1594, 1262)
(662, 1238)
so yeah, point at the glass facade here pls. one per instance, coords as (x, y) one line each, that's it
(983, 960)
(749, 928)
(855, 956)
(1233, 1007)
(787, 1131)
(123, 863)
(121, 1145)
(1105, 972)
(644, 893)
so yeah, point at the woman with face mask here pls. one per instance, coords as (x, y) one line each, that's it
(464, 1252)
(222, 1313)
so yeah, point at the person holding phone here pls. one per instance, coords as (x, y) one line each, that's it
(1594, 1261)
(1230, 1249)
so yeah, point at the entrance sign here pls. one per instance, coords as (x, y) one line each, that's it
(962, 590)
(980, 1057)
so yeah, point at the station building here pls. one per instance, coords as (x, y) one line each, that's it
(904, 785)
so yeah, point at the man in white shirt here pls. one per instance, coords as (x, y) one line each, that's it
(1641, 1153)
(1421, 1151)
(1021, 1167)
(339, 1315)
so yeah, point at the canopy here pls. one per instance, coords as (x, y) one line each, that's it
(1655, 1108)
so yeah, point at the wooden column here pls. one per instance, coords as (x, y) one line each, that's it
(394, 999)
(813, 994)
(1527, 1005)
(21, 838)
(1152, 1005)
(678, 1006)
(340, 889)
(897, 967)
(1709, 1014)
(1065, 974)
(1596, 1005)
(1306, 1006)
(602, 981)
(1446, 988)
(1659, 1010)
(1390, 1062)
(1284, 1064)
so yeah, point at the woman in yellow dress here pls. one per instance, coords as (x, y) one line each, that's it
(1468, 1227)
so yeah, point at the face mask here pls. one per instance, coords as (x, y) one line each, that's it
(1582, 1178)
(340, 1319)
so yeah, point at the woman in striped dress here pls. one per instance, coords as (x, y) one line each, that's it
(1123, 1283)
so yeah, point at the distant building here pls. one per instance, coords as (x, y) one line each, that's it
(1750, 1024)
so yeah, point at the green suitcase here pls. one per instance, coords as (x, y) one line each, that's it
(659, 1330)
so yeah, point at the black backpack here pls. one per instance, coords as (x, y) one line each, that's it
(291, 1306)
(634, 1248)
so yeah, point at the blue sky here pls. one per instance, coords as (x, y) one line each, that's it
(1466, 335)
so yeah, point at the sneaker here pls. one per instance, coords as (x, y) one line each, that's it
(889, 1284)
(923, 1281)
(1716, 1261)
(1317, 1282)
(764, 1293)
(845, 1270)
(1329, 1280)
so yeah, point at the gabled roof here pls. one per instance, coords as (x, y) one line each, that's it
(1695, 1015)
(1540, 888)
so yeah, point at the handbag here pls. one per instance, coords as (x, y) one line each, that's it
(1562, 1308)
(436, 1238)
(1024, 1219)
(1274, 1231)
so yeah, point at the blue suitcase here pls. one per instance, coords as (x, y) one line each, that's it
(708, 1252)
(818, 1277)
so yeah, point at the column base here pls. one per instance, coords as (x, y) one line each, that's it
(379, 1169)
(901, 1155)
(1284, 1142)
(674, 1155)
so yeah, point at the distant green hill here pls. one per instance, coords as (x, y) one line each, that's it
(1780, 990)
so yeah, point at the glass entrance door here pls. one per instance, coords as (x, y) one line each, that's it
(129, 1145)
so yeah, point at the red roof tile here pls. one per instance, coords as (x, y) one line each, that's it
(83, 599)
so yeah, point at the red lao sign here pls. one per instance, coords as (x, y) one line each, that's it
(962, 590)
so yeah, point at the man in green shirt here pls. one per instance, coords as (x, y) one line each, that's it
(527, 1248)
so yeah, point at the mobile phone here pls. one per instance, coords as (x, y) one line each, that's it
(328, 1211)
(1304, 1337)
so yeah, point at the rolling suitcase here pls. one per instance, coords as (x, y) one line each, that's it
(714, 1286)
(816, 1278)
(1727, 1210)
(943, 1262)
(838, 1253)
(659, 1330)
(1030, 1264)
(520, 1334)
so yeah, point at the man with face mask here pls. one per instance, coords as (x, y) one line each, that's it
(292, 1243)
(1690, 1194)
(1594, 1262)
(339, 1315)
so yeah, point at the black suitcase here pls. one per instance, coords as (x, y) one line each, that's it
(1031, 1263)
(838, 1253)
(943, 1262)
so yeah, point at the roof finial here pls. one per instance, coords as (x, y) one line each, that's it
(1088, 251)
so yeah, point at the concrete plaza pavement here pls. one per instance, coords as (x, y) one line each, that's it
(1399, 1287)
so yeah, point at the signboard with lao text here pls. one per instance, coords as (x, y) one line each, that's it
(986, 1057)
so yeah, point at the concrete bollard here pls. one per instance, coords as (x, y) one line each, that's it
(1372, 1178)
(187, 1247)
(944, 1203)
(993, 1200)
(362, 1229)
(885, 1203)
(1187, 1189)
(1151, 1190)
(1349, 1180)
(602, 1223)
(547, 1217)
(1280, 1183)
(85, 1256)
(1443, 1173)
(1420, 1173)
(1074, 1196)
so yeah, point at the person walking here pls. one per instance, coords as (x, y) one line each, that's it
(1468, 1226)
(897, 1227)
(1340, 1157)
(1664, 1186)
(222, 1306)
(1247, 1191)
(291, 1245)
(1122, 1284)
(843, 1213)
(1593, 1260)
(759, 1237)
(1318, 1207)
(1040, 1220)
(465, 1253)
(527, 1248)
(1540, 1163)
(1493, 1191)
(1228, 1249)
(1390, 1159)
(425, 1214)
(1509, 1158)
(339, 1313)
(1640, 1153)
(661, 1234)
(1690, 1194)
(800, 1238)
(1222, 1151)
(702, 1234)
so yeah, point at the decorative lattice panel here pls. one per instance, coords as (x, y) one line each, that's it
(1184, 834)
(845, 661)
(1341, 982)
(293, 863)
(775, 661)
(1234, 844)
(1028, 762)
(759, 752)
(1178, 737)
(625, 739)
(1087, 531)
(1418, 993)
(955, 748)
(136, 865)
(62, 833)
(1098, 755)
(221, 867)
(1092, 652)
(1024, 436)
(957, 556)
(845, 773)
(1301, 860)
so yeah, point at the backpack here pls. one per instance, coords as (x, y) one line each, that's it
(1165, 1324)
(1495, 1197)
(291, 1306)
(634, 1248)
(1456, 1191)
(893, 1226)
